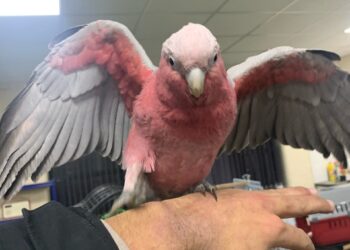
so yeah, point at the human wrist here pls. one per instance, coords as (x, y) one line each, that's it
(151, 226)
(193, 220)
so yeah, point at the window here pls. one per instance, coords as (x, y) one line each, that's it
(29, 7)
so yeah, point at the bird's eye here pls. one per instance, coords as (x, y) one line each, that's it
(215, 58)
(171, 61)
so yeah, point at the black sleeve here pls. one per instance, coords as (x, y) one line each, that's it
(55, 227)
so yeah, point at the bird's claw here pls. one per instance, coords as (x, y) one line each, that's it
(206, 187)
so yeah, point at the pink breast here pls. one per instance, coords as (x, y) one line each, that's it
(180, 167)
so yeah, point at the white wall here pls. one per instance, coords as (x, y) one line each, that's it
(297, 167)
(345, 63)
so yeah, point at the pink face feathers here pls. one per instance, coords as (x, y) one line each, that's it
(191, 70)
(192, 46)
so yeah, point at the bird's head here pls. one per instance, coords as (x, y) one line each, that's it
(191, 66)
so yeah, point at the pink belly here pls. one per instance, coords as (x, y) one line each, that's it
(176, 171)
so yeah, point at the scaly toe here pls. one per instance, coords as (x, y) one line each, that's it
(206, 187)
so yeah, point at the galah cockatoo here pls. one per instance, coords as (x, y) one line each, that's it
(98, 91)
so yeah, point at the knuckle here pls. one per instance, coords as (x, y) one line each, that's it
(275, 224)
(268, 205)
(291, 205)
(297, 205)
(302, 206)
(302, 189)
(262, 199)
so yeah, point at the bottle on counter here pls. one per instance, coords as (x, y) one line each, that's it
(331, 171)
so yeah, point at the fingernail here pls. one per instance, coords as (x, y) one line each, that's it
(313, 190)
(331, 203)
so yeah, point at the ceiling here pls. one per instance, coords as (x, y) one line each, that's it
(242, 27)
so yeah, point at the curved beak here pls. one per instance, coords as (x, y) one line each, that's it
(195, 80)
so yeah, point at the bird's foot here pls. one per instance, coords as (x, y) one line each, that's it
(126, 199)
(132, 197)
(206, 187)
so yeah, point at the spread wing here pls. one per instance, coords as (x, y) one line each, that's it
(78, 100)
(294, 95)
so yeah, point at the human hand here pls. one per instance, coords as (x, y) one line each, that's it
(239, 220)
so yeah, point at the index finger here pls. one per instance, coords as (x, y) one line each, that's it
(298, 205)
(291, 191)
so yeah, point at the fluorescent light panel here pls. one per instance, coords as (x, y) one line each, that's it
(29, 7)
(347, 31)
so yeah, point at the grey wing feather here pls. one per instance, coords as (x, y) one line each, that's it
(113, 116)
(243, 126)
(64, 35)
(50, 130)
(327, 54)
(62, 114)
(119, 125)
(303, 115)
(320, 122)
(110, 102)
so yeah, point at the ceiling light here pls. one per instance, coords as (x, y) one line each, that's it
(347, 31)
(29, 8)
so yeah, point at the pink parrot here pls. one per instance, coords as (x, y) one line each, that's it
(98, 91)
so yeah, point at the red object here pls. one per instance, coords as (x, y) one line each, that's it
(328, 231)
